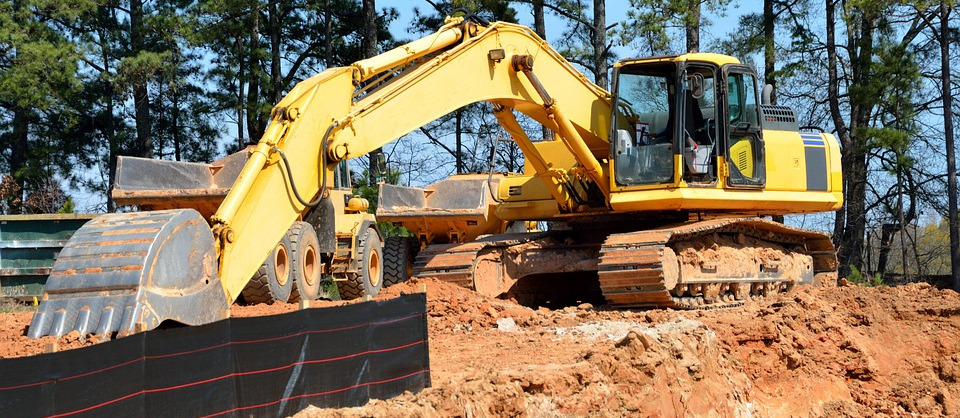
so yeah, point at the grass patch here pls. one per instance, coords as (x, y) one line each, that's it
(864, 279)
(8, 305)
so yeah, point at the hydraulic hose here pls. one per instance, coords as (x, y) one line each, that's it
(323, 169)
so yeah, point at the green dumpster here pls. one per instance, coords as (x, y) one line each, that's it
(29, 244)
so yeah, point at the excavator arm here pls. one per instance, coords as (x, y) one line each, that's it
(328, 116)
(130, 272)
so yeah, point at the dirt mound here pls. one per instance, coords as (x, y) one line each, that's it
(890, 350)
(586, 368)
(453, 308)
(262, 309)
(14, 341)
(845, 351)
(848, 351)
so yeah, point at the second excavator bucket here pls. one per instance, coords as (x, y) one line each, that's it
(456, 209)
(161, 184)
(128, 272)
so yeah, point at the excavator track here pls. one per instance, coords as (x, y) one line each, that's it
(458, 263)
(697, 265)
(643, 269)
(452, 263)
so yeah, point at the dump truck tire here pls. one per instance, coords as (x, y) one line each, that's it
(398, 256)
(305, 262)
(369, 278)
(273, 281)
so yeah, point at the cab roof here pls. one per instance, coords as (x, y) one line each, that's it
(718, 59)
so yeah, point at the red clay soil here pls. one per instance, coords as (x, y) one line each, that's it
(14, 341)
(846, 351)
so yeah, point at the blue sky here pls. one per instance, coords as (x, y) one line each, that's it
(556, 26)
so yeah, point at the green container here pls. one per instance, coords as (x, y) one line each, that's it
(29, 245)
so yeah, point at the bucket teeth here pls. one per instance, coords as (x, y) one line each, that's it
(124, 269)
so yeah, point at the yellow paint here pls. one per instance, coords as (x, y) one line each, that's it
(718, 59)
(741, 156)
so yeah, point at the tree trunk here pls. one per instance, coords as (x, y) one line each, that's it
(111, 124)
(854, 155)
(851, 226)
(769, 60)
(851, 241)
(327, 34)
(141, 100)
(599, 41)
(162, 130)
(539, 24)
(834, 104)
(254, 130)
(948, 134)
(175, 115)
(769, 56)
(370, 50)
(369, 28)
(693, 26)
(887, 230)
(18, 155)
(276, 78)
(458, 117)
(241, 97)
(111, 135)
(540, 27)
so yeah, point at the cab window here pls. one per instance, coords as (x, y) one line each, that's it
(745, 157)
(645, 130)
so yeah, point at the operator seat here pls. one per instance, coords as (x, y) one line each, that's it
(694, 120)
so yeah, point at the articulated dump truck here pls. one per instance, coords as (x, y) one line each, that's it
(653, 193)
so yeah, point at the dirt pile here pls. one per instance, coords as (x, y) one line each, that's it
(857, 350)
(14, 341)
(453, 308)
(848, 351)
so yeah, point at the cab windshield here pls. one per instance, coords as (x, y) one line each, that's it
(644, 131)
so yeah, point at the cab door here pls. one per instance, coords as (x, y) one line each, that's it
(743, 135)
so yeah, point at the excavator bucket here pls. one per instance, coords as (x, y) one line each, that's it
(128, 272)
(162, 184)
(456, 209)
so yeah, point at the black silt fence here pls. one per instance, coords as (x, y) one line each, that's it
(261, 366)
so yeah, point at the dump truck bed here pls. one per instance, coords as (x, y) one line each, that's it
(162, 184)
(457, 209)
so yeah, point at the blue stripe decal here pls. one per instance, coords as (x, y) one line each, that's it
(810, 136)
(805, 142)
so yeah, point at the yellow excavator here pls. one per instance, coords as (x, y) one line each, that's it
(654, 189)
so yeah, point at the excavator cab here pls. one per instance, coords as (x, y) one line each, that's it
(677, 117)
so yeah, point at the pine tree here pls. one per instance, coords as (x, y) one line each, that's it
(37, 76)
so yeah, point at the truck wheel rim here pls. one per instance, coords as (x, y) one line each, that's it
(373, 268)
(310, 266)
(281, 264)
